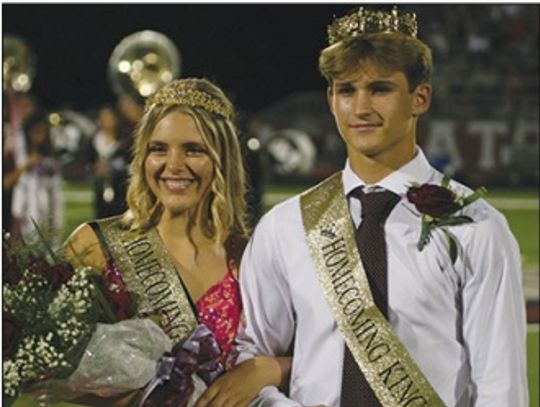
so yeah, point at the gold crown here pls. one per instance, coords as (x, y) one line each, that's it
(185, 92)
(362, 21)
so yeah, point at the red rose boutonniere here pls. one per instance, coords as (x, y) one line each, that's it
(437, 204)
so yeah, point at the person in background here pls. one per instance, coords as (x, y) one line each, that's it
(255, 170)
(186, 219)
(15, 162)
(38, 194)
(390, 284)
(131, 108)
(109, 158)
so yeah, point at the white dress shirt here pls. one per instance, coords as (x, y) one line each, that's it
(463, 323)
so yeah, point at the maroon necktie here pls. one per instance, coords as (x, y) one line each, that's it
(376, 206)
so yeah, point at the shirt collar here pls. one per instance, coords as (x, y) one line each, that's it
(418, 170)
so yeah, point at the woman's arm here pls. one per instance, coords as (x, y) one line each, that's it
(82, 247)
(240, 385)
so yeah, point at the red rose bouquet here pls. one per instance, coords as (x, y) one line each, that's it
(70, 331)
(438, 205)
(66, 329)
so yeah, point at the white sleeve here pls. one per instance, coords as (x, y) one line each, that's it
(271, 397)
(269, 318)
(19, 200)
(494, 320)
(21, 155)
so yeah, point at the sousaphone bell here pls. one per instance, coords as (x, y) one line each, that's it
(143, 62)
(18, 64)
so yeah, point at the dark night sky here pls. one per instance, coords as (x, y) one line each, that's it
(259, 53)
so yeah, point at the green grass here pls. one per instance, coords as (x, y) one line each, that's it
(76, 213)
(524, 225)
(512, 193)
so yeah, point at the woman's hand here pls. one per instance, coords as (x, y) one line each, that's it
(239, 386)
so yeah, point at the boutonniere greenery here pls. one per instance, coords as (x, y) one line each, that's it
(438, 204)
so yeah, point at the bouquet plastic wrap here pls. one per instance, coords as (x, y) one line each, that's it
(119, 357)
(70, 331)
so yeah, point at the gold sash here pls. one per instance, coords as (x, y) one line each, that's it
(149, 272)
(389, 369)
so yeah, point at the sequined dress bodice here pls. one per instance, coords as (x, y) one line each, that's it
(220, 308)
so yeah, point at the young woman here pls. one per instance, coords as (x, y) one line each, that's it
(179, 244)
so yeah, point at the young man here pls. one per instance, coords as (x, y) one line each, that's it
(376, 310)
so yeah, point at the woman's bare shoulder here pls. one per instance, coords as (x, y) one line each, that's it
(84, 248)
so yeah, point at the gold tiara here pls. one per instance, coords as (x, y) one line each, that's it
(185, 92)
(362, 21)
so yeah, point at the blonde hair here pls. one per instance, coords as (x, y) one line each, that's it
(223, 207)
(394, 52)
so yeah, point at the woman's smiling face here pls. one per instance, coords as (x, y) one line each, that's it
(178, 169)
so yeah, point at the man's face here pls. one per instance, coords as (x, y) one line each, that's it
(376, 114)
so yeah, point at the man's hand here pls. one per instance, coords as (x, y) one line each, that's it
(239, 386)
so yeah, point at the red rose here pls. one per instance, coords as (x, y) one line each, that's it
(433, 200)
(60, 274)
(121, 304)
(116, 292)
(39, 267)
(11, 273)
(113, 277)
(11, 334)
(56, 275)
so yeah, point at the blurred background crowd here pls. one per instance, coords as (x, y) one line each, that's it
(482, 128)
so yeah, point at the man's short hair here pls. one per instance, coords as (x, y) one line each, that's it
(393, 51)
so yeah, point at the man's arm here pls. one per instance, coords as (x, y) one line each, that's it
(494, 322)
(269, 318)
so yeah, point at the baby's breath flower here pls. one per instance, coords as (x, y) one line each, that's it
(55, 322)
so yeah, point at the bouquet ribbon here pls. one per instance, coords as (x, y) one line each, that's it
(173, 383)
